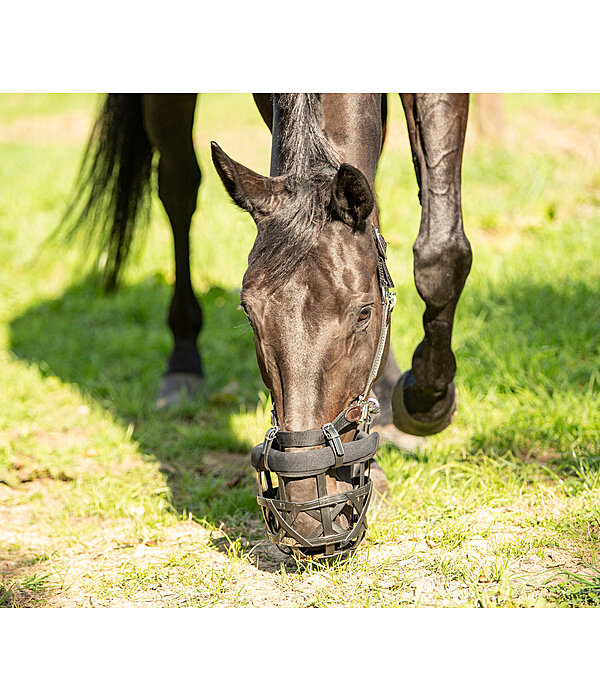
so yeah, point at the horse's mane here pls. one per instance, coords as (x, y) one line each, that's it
(304, 146)
(309, 162)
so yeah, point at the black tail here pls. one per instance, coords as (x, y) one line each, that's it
(114, 182)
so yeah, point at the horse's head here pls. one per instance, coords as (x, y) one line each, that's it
(314, 298)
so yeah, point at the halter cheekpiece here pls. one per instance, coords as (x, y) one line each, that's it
(340, 518)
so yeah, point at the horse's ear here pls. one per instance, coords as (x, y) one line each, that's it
(352, 199)
(255, 193)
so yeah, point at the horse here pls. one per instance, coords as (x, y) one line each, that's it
(317, 291)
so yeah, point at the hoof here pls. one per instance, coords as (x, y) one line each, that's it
(403, 441)
(441, 417)
(176, 388)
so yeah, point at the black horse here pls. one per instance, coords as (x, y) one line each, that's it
(313, 290)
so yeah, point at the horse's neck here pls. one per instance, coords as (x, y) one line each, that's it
(350, 122)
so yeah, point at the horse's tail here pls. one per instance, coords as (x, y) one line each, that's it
(114, 183)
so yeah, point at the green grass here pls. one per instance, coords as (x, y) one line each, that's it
(577, 591)
(87, 462)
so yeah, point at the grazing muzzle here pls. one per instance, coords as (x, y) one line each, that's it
(340, 517)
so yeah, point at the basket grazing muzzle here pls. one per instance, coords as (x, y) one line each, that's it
(340, 517)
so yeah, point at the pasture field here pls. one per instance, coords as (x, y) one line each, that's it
(107, 502)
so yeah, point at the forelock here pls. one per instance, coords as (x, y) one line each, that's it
(287, 237)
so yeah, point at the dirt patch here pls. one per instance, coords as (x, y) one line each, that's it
(537, 127)
(25, 464)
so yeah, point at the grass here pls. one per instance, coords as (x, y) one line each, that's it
(106, 501)
(577, 591)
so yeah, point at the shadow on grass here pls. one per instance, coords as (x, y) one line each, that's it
(114, 349)
(533, 350)
(526, 342)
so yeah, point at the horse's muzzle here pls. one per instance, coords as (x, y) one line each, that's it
(340, 517)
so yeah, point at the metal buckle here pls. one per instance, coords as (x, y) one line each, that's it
(269, 437)
(367, 408)
(389, 301)
(333, 438)
(381, 243)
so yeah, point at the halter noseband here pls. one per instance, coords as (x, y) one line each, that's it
(347, 462)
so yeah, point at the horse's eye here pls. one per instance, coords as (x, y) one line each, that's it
(365, 315)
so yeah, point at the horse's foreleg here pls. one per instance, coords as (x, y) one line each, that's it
(425, 399)
(168, 121)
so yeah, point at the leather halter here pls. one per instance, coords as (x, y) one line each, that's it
(348, 462)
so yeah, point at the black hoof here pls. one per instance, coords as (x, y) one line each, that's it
(438, 418)
(176, 388)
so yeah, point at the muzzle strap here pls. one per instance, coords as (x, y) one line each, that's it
(348, 462)
(268, 441)
(343, 422)
(333, 438)
(299, 465)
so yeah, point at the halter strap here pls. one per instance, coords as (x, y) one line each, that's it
(388, 299)
(316, 437)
